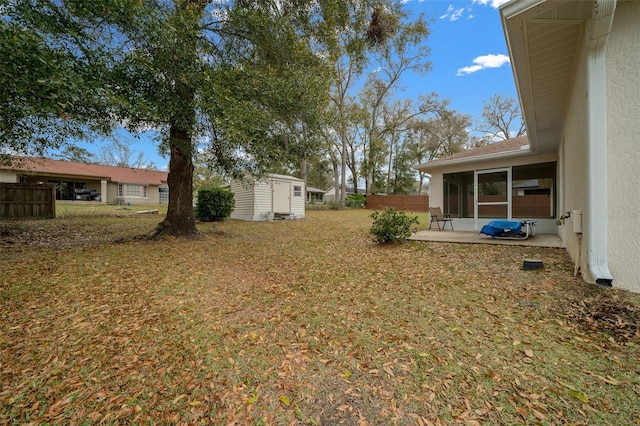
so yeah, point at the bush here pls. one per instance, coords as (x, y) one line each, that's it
(214, 204)
(392, 226)
(355, 201)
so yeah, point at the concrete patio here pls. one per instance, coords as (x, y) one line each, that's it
(464, 237)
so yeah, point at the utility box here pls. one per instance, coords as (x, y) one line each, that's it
(576, 218)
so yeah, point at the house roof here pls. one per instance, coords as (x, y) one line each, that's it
(312, 189)
(46, 166)
(543, 38)
(509, 147)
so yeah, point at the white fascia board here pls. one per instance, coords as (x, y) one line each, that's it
(514, 28)
(476, 159)
(516, 7)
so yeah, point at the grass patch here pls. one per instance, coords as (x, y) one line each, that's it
(306, 322)
(94, 209)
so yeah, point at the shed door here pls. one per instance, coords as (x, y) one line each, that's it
(281, 196)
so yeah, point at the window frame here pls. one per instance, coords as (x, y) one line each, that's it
(124, 190)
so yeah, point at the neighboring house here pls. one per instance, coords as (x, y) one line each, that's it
(90, 182)
(576, 69)
(315, 195)
(330, 193)
(274, 196)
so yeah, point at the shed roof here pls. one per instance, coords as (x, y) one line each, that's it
(47, 166)
(285, 177)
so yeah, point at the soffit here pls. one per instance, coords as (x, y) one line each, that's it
(543, 38)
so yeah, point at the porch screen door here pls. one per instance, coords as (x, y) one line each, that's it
(491, 194)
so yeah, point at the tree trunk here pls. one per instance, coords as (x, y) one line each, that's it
(343, 169)
(390, 165)
(179, 220)
(303, 170)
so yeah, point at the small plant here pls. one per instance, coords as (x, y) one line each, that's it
(355, 201)
(214, 204)
(392, 226)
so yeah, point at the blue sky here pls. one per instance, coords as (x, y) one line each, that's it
(469, 55)
(468, 58)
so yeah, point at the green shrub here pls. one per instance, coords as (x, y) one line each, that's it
(392, 226)
(214, 204)
(355, 201)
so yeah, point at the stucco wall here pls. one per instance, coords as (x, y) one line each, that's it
(572, 163)
(8, 177)
(623, 149)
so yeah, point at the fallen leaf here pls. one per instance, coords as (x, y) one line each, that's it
(285, 400)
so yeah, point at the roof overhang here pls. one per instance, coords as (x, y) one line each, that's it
(543, 38)
(440, 164)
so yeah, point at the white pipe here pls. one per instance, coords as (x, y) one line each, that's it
(597, 262)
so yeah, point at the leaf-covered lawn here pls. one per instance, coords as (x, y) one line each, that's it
(302, 322)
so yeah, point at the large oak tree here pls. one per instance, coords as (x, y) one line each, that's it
(225, 77)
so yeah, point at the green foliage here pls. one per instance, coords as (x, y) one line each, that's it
(214, 204)
(392, 226)
(356, 201)
(75, 154)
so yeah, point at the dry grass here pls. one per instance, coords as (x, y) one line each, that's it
(302, 322)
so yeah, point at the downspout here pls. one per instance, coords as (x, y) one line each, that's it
(597, 263)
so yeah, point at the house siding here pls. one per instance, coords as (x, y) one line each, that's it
(243, 196)
(254, 200)
(623, 153)
(298, 201)
(264, 198)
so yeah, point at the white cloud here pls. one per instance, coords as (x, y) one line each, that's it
(454, 14)
(483, 62)
(493, 3)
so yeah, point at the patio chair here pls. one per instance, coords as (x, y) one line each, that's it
(437, 217)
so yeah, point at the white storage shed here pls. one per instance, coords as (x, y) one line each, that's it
(268, 198)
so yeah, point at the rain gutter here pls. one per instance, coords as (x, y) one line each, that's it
(523, 151)
(597, 262)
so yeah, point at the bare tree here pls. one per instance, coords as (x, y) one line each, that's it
(444, 133)
(120, 154)
(501, 120)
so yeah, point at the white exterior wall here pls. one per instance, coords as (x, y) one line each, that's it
(298, 202)
(243, 196)
(623, 148)
(436, 187)
(263, 203)
(572, 164)
(8, 177)
(623, 153)
(254, 199)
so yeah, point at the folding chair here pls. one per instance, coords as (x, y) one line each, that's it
(437, 217)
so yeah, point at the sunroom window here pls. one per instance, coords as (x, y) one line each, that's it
(532, 192)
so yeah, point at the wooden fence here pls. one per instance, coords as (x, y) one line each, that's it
(414, 203)
(27, 201)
